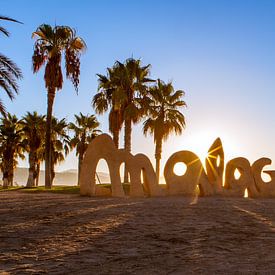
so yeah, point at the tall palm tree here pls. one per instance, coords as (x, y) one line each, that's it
(164, 117)
(11, 146)
(33, 126)
(107, 98)
(40, 158)
(131, 81)
(121, 91)
(50, 44)
(9, 72)
(60, 143)
(85, 129)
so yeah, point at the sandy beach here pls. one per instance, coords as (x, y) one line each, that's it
(58, 234)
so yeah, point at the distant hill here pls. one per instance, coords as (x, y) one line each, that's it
(68, 177)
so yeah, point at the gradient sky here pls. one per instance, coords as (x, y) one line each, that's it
(221, 53)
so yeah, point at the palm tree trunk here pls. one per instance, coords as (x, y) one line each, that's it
(48, 158)
(80, 159)
(37, 173)
(127, 145)
(116, 138)
(52, 176)
(11, 176)
(5, 178)
(10, 170)
(32, 172)
(52, 172)
(158, 152)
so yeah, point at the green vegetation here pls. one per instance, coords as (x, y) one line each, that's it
(54, 189)
(58, 189)
(10, 188)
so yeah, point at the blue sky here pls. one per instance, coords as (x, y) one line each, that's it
(221, 53)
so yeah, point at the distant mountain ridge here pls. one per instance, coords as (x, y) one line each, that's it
(67, 177)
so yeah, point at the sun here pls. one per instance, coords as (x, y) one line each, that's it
(180, 168)
(199, 143)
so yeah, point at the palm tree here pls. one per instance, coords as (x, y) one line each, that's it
(131, 81)
(9, 72)
(11, 146)
(50, 44)
(85, 130)
(33, 126)
(164, 118)
(60, 143)
(106, 98)
(121, 90)
(40, 158)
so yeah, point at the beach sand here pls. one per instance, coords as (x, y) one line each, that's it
(68, 234)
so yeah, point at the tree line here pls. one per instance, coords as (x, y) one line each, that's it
(26, 136)
(126, 91)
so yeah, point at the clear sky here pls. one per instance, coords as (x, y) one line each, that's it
(221, 53)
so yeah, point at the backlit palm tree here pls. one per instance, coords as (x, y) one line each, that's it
(107, 98)
(11, 146)
(85, 129)
(9, 72)
(60, 143)
(121, 91)
(131, 80)
(51, 43)
(164, 117)
(33, 126)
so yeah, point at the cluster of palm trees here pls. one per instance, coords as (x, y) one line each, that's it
(130, 95)
(19, 137)
(126, 91)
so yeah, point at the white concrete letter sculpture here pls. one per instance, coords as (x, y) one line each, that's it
(210, 182)
(103, 147)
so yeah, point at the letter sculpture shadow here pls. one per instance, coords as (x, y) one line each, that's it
(102, 147)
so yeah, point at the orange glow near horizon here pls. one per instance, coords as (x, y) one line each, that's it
(201, 142)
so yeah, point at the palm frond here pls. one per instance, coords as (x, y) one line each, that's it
(2, 17)
(10, 66)
(84, 130)
(164, 116)
(2, 29)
